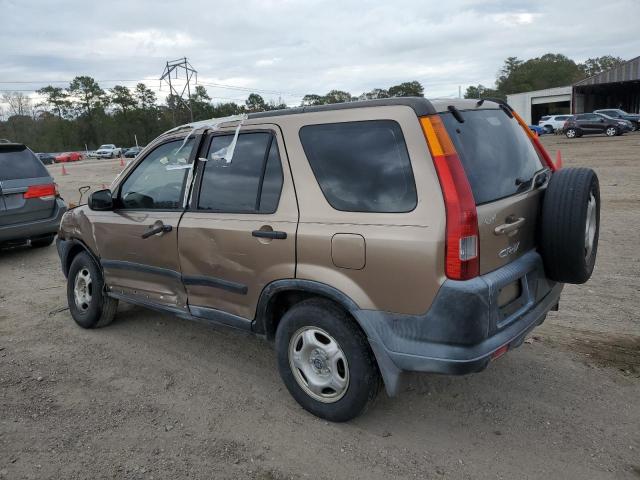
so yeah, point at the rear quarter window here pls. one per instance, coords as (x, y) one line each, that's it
(19, 162)
(495, 152)
(361, 166)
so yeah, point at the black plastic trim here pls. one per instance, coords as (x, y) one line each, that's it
(64, 247)
(221, 317)
(421, 106)
(139, 267)
(203, 281)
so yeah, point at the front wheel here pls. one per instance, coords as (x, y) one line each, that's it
(611, 131)
(571, 133)
(325, 361)
(89, 305)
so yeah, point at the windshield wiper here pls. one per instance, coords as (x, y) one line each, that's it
(537, 180)
(456, 113)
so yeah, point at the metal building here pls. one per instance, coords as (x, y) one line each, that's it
(618, 87)
(615, 88)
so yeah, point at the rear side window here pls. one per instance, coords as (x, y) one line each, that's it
(361, 166)
(495, 152)
(250, 183)
(18, 162)
(545, 117)
(562, 117)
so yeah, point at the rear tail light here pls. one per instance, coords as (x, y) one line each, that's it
(44, 191)
(462, 259)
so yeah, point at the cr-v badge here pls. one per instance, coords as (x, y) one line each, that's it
(510, 250)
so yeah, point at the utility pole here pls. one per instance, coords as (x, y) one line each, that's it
(174, 67)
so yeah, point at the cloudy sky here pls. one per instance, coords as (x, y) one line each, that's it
(296, 47)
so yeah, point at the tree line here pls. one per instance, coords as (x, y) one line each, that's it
(85, 114)
(548, 71)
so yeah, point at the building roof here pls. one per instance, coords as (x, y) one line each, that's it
(626, 72)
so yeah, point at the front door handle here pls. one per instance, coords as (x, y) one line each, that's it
(157, 229)
(510, 227)
(269, 234)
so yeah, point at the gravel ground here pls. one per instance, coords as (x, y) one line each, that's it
(153, 396)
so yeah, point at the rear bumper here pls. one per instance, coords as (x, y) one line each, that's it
(465, 324)
(36, 228)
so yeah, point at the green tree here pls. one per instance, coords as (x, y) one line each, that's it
(57, 99)
(255, 103)
(375, 93)
(337, 96)
(313, 99)
(122, 98)
(87, 96)
(548, 71)
(594, 66)
(145, 97)
(407, 89)
(481, 91)
(201, 104)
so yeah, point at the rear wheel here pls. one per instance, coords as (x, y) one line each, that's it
(611, 131)
(89, 305)
(42, 241)
(570, 225)
(571, 133)
(325, 361)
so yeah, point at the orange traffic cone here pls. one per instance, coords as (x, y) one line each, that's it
(64, 170)
(558, 160)
(121, 160)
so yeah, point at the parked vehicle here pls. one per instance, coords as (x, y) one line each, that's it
(108, 150)
(537, 130)
(625, 125)
(427, 236)
(68, 157)
(132, 152)
(46, 158)
(30, 206)
(634, 118)
(551, 123)
(591, 123)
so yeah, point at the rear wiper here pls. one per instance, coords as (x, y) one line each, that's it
(537, 180)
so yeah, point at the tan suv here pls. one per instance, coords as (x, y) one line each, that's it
(365, 239)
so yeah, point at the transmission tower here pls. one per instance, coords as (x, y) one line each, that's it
(174, 67)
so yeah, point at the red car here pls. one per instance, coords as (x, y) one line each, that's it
(69, 157)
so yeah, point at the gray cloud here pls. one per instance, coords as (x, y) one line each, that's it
(304, 46)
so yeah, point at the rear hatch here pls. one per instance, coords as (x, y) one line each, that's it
(26, 188)
(506, 175)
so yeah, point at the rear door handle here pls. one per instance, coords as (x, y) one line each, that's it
(157, 229)
(269, 234)
(510, 227)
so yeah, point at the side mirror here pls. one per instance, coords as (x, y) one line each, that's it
(101, 200)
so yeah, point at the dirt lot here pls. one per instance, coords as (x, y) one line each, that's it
(152, 396)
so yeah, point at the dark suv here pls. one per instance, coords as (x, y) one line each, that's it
(634, 118)
(591, 123)
(30, 206)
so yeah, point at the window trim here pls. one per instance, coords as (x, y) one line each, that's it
(315, 176)
(186, 186)
(194, 200)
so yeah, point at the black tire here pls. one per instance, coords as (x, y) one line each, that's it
(101, 309)
(572, 133)
(364, 377)
(43, 241)
(565, 216)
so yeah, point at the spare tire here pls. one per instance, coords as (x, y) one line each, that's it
(570, 225)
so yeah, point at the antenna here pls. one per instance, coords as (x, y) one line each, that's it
(174, 67)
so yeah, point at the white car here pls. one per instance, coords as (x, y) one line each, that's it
(108, 150)
(551, 123)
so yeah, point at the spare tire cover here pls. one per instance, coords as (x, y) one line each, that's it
(570, 225)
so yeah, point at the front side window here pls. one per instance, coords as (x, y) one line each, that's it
(158, 182)
(250, 183)
(361, 166)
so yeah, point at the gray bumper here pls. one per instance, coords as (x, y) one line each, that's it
(36, 228)
(464, 325)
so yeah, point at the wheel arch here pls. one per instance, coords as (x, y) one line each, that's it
(70, 249)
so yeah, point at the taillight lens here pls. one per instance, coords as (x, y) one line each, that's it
(41, 191)
(462, 260)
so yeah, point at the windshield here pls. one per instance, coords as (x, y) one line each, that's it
(19, 162)
(106, 147)
(496, 153)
